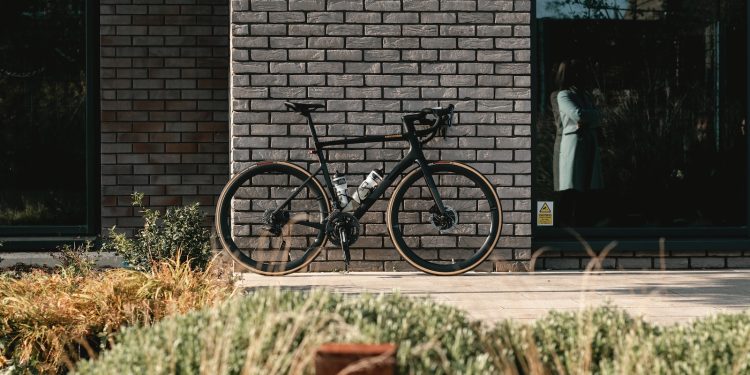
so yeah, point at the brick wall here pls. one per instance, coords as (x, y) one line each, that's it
(164, 112)
(371, 61)
(550, 259)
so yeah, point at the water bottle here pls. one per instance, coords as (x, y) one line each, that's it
(368, 185)
(339, 184)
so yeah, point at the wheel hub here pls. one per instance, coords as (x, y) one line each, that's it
(443, 221)
(342, 221)
(273, 222)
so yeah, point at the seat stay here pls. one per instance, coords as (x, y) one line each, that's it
(296, 191)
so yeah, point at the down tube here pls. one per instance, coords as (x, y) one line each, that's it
(388, 180)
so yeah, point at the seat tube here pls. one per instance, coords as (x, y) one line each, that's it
(312, 129)
(321, 157)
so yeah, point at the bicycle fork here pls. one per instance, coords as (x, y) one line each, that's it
(431, 187)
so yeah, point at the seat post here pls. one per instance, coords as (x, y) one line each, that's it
(311, 125)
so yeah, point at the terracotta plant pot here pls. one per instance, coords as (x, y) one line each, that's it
(359, 359)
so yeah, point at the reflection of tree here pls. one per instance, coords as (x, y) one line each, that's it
(589, 9)
(42, 110)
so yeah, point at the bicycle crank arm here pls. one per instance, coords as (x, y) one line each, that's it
(345, 249)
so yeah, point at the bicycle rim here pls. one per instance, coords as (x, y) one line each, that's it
(262, 235)
(473, 213)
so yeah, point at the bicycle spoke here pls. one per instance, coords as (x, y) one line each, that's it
(272, 240)
(451, 240)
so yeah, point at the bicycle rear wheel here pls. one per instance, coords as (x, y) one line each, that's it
(262, 228)
(448, 243)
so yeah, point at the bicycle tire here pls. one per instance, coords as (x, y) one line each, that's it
(438, 249)
(258, 190)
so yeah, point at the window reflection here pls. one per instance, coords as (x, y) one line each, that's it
(42, 113)
(670, 81)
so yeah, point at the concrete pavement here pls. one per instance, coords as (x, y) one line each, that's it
(663, 297)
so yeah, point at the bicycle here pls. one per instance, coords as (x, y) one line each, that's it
(443, 217)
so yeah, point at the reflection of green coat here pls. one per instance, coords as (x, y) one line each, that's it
(577, 163)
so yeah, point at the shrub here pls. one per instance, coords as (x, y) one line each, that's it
(276, 332)
(606, 340)
(48, 321)
(179, 233)
(76, 259)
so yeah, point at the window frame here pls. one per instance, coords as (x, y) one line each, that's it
(11, 235)
(690, 238)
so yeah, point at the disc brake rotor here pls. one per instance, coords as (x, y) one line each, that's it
(443, 221)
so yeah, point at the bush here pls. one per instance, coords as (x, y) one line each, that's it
(273, 332)
(276, 332)
(607, 340)
(76, 259)
(48, 321)
(179, 233)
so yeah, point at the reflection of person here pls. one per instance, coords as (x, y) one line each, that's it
(577, 166)
(701, 168)
(733, 178)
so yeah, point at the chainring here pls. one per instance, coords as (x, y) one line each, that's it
(342, 220)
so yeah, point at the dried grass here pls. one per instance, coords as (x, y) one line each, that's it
(50, 321)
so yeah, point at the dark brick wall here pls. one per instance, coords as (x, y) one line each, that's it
(164, 105)
(371, 61)
(165, 113)
(546, 259)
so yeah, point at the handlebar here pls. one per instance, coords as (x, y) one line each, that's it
(443, 120)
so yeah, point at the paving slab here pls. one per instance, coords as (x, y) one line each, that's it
(663, 297)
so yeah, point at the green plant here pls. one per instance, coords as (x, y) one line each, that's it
(76, 259)
(48, 321)
(179, 232)
(276, 331)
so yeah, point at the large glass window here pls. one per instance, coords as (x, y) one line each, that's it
(660, 92)
(43, 116)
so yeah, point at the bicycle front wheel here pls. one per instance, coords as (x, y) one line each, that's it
(450, 242)
(270, 218)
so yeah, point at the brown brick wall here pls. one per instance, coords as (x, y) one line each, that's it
(164, 105)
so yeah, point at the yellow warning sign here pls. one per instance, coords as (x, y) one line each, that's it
(544, 215)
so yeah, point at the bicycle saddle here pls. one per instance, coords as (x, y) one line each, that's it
(303, 107)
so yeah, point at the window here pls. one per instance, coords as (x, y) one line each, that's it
(669, 81)
(47, 116)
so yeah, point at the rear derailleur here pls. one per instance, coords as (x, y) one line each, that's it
(343, 230)
(274, 220)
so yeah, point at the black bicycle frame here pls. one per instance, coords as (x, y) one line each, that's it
(415, 154)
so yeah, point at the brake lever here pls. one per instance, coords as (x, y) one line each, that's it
(443, 131)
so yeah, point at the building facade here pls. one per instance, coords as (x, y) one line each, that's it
(181, 94)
